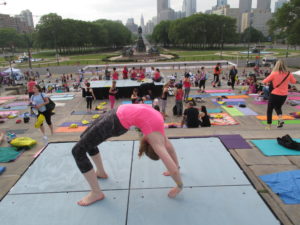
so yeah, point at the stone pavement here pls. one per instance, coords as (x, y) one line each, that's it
(252, 161)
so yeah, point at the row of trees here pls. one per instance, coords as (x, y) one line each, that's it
(68, 35)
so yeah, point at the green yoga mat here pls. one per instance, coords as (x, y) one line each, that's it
(275, 122)
(8, 154)
(272, 148)
(233, 111)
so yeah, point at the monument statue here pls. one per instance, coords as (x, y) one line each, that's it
(140, 45)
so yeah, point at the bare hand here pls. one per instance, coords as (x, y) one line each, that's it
(174, 192)
(166, 173)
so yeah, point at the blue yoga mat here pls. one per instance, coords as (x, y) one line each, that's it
(285, 184)
(214, 110)
(18, 107)
(246, 111)
(67, 124)
(272, 148)
(221, 94)
(2, 169)
(129, 102)
(200, 96)
(229, 103)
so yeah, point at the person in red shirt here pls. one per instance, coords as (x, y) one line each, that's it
(133, 74)
(187, 86)
(179, 97)
(115, 75)
(125, 73)
(157, 77)
(217, 72)
(30, 85)
(280, 78)
(142, 74)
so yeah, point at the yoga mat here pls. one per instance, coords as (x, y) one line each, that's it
(60, 104)
(237, 96)
(220, 94)
(218, 110)
(297, 107)
(129, 102)
(294, 93)
(8, 154)
(218, 91)
(7, 97)
(62, 96)
(228, 103)
(20, 131)
(233, 111)
(70, 130)
(246, 111)
(294, 98)
(200, 96)
(2, 169)
(234, 141)
(67, 124)
(253, 95)
(285, 117)
(21, 107)
(270, 147)
(172, 125)
(231, 100)
(275, 122)
(61, 99)
(225, 120)
(285, 184)
(85, 112)
(260, 102)
(6, 113)
(18, 104)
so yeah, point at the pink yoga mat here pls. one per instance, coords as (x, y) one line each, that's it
(294, 98)
(297, 107)
(260, 103)
(218, 91)
(2, 113)
(7, 97)
(18, 104)
(294, 93)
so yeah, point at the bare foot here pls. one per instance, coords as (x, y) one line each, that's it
(166, 173)
(174, 192)
(91, 198)
(101, 175)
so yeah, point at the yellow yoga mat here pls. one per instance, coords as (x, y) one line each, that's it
(285, 117)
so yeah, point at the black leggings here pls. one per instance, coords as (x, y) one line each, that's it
(100, 130)
(202, 84)
(216, 79)
(232, 79)
(275, 102)
(89, 101)
(47, 115)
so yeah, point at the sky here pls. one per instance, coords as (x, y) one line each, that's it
(90, 10)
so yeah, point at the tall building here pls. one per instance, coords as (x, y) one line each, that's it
(245, 5)
(189, 7)
(142, 24)
(230, 12)
(264, 5)
(221, 3)
(131, 25)
(162, 5)
(164, 12)
(26, 16)
(14, 22)
(279, 4)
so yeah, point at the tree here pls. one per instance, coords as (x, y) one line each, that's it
(286, 23)
(252, 35)
(10, 38)
(161, 33)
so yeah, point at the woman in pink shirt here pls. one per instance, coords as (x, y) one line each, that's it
(280, 79)
(154, 144)
(115, 75)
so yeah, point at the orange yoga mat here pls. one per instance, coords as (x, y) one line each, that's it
(285, 117)
(237, 96)
(69, 130)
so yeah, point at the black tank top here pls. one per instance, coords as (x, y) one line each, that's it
(205, 121)
(88, 93)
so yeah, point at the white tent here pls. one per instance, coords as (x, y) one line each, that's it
(14, 70)
(17, 73)
(297, 73)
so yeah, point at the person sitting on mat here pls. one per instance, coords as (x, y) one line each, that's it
(204, 117)
(190, 116)
(154, 144)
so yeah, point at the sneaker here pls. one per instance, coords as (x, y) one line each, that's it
(280, 124)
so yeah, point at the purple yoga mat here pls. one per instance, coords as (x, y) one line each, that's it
(294, 98)
(67, 124)
(18, 104)
(260, 103)
(218, 91)
(230, 100)
(246, 111)
(231, 141)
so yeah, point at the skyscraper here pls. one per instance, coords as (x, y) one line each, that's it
(279, 4)
(264, 5)
(221, 3)
(245, 5)
(26, 17)
(162, 5)
(142, 24)
(189, 7)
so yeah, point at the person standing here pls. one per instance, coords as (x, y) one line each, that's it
(179, 99)
(30, 85)
(125, 73)
(39, 101)
(89, 96)
(115, 75)
(202, 77)
(232, 76)
(217, 73)
(187, 86)
(280, 79)
(112, 94)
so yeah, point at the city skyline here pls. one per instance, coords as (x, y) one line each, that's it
(106, 9)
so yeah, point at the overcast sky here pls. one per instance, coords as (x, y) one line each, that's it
(90, 10)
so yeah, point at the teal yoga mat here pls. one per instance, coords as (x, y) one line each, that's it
(214, 110)
(233, 111)
(8, 154)
(275, 122)
(270, 147)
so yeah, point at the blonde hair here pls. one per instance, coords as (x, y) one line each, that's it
(146, 148)
(279, 67)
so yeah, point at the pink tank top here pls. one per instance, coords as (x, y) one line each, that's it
(186, 83)
(142, 116)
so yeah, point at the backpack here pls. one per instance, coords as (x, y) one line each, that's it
(288, 142)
